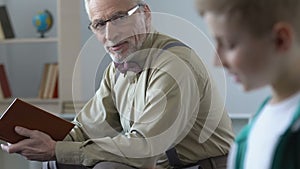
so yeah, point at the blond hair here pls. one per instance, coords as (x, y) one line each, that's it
(258, 16)
(86, 4)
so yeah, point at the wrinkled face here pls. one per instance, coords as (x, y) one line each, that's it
(250, 59)
(122, 35)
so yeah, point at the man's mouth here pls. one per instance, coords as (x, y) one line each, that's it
(118, 46)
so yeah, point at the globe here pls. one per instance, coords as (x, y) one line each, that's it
(43, 22)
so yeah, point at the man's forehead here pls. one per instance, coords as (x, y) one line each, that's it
(113, 2)
(104, 9)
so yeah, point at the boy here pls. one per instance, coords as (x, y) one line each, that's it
(258, 42)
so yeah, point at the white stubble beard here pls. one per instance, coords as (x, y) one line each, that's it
(129, 53)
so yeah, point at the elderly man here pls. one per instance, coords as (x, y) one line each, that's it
(155, 106)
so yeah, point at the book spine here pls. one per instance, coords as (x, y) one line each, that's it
(2, 37)
(53, 78)
(43, 81)
(55, 93)
(4, 82)
(1, 93)
(6, 23)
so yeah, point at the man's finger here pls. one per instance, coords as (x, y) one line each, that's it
(18, 147)
(23, 131)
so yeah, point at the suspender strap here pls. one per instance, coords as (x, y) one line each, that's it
(173, 157)
(172, 153)
(173, 44)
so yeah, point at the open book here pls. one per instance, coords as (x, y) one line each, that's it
(20, 113)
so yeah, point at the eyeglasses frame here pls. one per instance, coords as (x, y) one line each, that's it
(103, 22)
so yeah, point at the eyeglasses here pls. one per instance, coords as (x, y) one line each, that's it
(117, 19)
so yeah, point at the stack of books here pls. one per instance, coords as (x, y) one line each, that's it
(49, 83)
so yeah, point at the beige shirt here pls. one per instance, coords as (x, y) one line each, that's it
(134, 118)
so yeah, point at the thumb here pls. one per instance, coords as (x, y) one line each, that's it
(4, 147)
(23, 131)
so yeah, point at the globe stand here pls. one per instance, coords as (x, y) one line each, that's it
(42, 35)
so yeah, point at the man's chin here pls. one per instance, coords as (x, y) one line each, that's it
(122, 56)
(117, 59)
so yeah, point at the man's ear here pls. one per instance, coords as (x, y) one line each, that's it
(146, 9)
(147, 12)
(283, 34)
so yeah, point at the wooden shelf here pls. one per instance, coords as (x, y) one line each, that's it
(240, 116)
(31, 100)
(29, 40)
(66, 116)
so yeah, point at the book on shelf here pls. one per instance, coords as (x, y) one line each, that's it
(49, 82)
(23, 114)
(4, 84)
(6, 23)
(53, 78)
(43, 81)
(2, 37)
(1, 94)
(55, 92)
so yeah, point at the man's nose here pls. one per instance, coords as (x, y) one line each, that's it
(111, 31)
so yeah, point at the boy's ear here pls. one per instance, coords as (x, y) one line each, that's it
(283, 36)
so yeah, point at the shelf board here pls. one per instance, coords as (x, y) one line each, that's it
(28, 40)
(66, 116)
(240, 116)
(31, 100)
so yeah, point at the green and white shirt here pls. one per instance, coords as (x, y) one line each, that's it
(271, 137)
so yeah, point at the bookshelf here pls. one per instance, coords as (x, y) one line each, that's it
(62, 46)
(25, 55)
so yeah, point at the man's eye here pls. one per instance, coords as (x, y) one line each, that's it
(119, 17)
(98, 25)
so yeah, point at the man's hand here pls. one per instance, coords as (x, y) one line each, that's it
(39, 146)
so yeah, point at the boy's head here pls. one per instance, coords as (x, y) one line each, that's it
(257, 16)
(257, 40)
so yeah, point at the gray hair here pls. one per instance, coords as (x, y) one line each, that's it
(86, 4)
